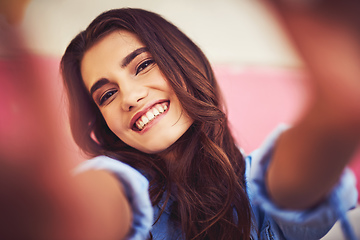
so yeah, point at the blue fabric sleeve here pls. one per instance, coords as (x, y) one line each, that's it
(136, 190)
(305, 224)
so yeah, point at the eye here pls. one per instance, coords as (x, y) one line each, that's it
(106, 95)
(143, 65)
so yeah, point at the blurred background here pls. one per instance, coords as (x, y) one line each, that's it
(229, 31)
(252, 58)
(259, 72)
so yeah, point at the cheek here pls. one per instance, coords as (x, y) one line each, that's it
(118, 125)
(114, 122)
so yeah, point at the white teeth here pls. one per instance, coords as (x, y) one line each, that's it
(144, 119)
(140, 124)
(160, 108)
(156, 112)
(151, 115)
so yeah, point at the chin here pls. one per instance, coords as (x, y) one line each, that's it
(154, 149)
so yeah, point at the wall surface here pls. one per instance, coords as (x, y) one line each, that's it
(254, 62)
(229, 31)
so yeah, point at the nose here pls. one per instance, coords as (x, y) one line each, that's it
(132, 95)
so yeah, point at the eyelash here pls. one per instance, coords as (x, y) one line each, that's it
(141, 67)
(104, 97)
(144, 65)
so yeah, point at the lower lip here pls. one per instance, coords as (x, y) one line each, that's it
(153, 122)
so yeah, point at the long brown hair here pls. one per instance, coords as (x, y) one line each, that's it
(207, 182)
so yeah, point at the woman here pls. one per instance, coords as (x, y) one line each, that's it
(144, 94)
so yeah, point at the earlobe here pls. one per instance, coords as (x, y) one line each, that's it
(93, 137)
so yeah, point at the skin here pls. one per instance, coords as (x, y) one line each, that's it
(130, 89)
(310, 157)
(13, 10)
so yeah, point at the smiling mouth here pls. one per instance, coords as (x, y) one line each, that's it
(150, 115)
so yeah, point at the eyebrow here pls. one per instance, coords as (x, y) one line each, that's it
(133, 55)
(101, 82)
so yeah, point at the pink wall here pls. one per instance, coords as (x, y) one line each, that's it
(258, 99)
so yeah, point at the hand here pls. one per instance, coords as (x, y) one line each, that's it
(39, 198)
(311, 156)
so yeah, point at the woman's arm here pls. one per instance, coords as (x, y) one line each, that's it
(106, 209)
(39, 197)
(310, 157)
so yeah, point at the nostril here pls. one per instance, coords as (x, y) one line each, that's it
(131, 107)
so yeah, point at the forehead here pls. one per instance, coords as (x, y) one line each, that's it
(107, 52)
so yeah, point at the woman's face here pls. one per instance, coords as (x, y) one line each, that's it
(132, 94)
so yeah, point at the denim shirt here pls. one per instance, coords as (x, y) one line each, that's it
(270, 221)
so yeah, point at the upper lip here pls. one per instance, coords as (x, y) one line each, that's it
(144, 110)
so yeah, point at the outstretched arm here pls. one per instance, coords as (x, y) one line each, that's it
(310, 157)
(39, 197)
